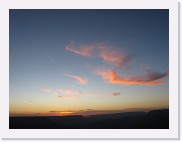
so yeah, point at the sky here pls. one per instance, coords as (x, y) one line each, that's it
(89, 61)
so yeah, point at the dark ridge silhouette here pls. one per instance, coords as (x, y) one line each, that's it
(116, 115)
(156, 119)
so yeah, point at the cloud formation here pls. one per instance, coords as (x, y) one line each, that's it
(116, 94)
(47, 90)
(81, 80)
(67, 92)
(69, 97)
(118, 59)
(64, 93)
(82, 50)
(113, 56)
(151, 78)
(106, 52)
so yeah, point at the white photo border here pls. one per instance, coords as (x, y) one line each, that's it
(171, 133)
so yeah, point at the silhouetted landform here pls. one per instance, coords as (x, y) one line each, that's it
(156, 119)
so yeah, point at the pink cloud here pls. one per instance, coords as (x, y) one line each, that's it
(106, 52)
(113, 56)
(70, 92)
(81, 80)
(62, 91)
(82, 50)
(153, 78)
(67, 92)
(69, 97)
(47, 90)
(116, 94)
(118, 59)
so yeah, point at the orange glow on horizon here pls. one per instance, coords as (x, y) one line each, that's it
(65, 113)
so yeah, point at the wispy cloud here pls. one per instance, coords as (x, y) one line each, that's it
(69, 97)
(64, 93)
(81, 80)
(118, 59)
(116, 94)
(106, 52)
(82, 50)
(67, 92)
(151, 78)
(47, 90)
(112, 56)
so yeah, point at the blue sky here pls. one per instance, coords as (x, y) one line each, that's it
(88, 45)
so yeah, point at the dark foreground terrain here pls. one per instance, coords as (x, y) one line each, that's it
(156, 119)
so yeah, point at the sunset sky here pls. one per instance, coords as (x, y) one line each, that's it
(69, 62)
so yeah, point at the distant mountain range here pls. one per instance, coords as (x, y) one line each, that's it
(156, 119)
